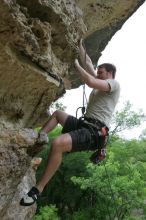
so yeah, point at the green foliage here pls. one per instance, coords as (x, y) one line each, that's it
(57, 105)
(143, 135)
(61, 190)
(82, 191)
(47, 213)
(124, 173)
(127, 118)
(55, 132)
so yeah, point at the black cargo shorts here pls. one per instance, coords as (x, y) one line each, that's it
(84, 136)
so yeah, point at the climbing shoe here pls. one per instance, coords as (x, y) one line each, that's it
(42, 138)
(30, 198)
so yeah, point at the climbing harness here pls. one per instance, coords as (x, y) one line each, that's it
(102, 135)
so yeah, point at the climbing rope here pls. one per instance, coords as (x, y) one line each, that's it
(83, 108)
(111, 191)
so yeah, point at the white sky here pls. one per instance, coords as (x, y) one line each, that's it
(127, 50)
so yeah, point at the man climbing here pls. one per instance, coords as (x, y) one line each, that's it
(78, 134)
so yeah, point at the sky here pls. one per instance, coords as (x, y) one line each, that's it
(127, 50)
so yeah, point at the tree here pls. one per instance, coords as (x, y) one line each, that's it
(126, 119)
(117, 187)
(143, 135)
(57, 105)
(81, 190)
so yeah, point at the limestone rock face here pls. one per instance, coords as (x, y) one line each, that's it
(16, 171)
(38, 45)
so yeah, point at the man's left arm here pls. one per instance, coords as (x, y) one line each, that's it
(86, 60)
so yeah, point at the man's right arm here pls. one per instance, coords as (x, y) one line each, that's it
(90, 80)
(86, 61)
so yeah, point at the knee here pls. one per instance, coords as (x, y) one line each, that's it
(56, 113)
(55, 146)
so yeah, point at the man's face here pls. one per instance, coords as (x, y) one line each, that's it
(102, 73)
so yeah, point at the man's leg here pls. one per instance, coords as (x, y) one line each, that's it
(57, 117)
(61, 144)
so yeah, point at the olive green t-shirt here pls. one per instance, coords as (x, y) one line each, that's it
(102, 104)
